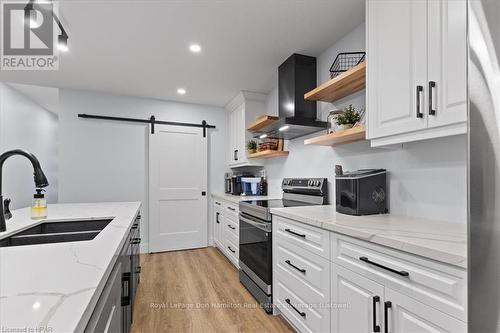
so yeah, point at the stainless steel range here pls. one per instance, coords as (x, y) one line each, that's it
(256, 233)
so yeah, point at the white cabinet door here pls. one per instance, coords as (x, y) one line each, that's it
(240, 134)
(397, 65)
(357, 302)
(447, 64)
(407, 315)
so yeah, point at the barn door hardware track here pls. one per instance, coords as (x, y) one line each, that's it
(152, 121)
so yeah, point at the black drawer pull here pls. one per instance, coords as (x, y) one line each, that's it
(136, 240)
(432, 85)
(125, 300)
(230, 226)
(294, 233)
(303, 314)
(420, 89)
(135, 226)
(217, 203)
(138, 269)
(376, 328)
(230, 249)
(402, 273)
(387, 306)
(231, 208)
(299, 269)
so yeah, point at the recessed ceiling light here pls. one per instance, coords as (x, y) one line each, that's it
(181, 91)
(284, 128)
(195, 48)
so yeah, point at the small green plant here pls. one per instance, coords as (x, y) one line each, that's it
(349, 116)
(251, 145)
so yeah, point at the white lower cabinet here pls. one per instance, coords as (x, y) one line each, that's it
(356, 302)
(359, 286)
(225, 225)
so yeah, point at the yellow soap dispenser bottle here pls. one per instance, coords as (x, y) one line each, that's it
(39, 205)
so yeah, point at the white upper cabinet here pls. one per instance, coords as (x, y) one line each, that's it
(416, 81)
(243, 110)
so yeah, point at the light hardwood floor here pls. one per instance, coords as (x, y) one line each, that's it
(197, 291)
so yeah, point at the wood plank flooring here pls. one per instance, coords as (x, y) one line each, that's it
(197, 291)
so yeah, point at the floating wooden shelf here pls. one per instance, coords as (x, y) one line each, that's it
(357, 133)
(269, 154)
(261, 122)
(343, 85)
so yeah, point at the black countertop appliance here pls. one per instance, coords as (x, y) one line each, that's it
(361, 192)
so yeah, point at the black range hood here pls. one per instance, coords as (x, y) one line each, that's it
(296, 76)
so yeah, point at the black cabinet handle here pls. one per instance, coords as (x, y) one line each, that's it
(217, 203)
(135, 241)
(303, 314)
(125, 300)
(294, 233)
(432, 85)
(231, 208)
(230, 249)
(236, 154)
(217, 217)
(299, 269)
(230, 226)
(138, 269)
(419, 93)
(387, 306)
(376, 328)
(402, 273)
(135, 226)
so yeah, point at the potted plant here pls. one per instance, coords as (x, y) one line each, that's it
(348, 117)
(252, 147)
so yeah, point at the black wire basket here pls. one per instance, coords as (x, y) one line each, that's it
(345, 61)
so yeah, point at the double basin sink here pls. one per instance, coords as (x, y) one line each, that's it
(57, 232)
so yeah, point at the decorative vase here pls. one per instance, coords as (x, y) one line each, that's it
(346, 126)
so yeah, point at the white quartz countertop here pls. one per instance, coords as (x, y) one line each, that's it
(441, 241)
(238, 198)
(56, 286)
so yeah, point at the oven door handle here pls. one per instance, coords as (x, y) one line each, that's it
(260, 225)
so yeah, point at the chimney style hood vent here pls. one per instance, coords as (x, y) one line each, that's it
(296, 76)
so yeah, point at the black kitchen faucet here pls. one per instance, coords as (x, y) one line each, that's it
(39, 176)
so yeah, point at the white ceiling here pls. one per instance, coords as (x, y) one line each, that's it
(140, 48)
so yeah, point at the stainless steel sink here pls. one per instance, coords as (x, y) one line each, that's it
(57, 232)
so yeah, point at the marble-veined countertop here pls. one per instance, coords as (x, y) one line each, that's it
(442, 241)
(56, 286)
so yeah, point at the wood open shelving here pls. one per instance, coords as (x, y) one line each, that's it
(261, 122)
(269, 154)
(357, 133)
(341, 86)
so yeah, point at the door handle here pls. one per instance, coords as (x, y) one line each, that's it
(303, 314)
(299, 269)
(419, 97)
(387, 306)
(294, 233)
(432, 85)
(376, 328)
(368, 261)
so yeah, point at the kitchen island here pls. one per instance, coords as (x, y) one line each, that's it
(55, 287)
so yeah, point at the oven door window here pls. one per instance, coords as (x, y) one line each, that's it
(256, 250)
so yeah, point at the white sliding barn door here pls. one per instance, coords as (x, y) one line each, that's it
(177, 178)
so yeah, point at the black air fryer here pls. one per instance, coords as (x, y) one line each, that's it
(362, 192)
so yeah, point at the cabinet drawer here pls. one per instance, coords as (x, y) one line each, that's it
(303, 316)
(441, 286)
(304, 272)
(231, 248)
(307, 237)
(232, 228)
(231, 210)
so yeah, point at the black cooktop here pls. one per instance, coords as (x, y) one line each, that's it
(278, 203)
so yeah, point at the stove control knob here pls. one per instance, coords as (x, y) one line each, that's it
(316, 183)
(310, 183)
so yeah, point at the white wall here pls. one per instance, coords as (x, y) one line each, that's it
(107, 160)
(26, 125)
(426, 179)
